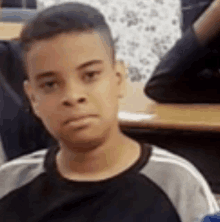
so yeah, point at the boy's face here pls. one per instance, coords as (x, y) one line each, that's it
(71, 76)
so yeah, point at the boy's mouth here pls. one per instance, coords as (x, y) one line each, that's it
(77, 118)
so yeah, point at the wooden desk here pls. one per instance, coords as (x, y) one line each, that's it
(11, 21)
(202, 117)
(10, 30)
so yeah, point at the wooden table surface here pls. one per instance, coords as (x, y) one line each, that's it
(201, 117)
(10, 30)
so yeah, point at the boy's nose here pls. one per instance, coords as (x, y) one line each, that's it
(74, 93)
(68, 102)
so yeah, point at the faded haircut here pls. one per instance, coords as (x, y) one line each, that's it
(66, 18)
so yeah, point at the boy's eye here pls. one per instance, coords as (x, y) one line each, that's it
(90, 76)
(50, 85)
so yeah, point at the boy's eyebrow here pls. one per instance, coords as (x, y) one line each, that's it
(52, 73)
(44, 74)
(84, 65)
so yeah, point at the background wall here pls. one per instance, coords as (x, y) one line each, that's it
(143, 32)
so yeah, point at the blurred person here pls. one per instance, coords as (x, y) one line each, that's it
(189, 71)
(19, 132)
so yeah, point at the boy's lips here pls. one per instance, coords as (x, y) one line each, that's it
(78, 117)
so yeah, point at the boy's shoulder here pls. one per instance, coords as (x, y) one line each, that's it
(20, 171)
(164, 164)
(182, 182)
(172, 164)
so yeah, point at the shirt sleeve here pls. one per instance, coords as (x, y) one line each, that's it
(188, 73)
(183, 183)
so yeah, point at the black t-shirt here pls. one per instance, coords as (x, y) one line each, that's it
(127, 197)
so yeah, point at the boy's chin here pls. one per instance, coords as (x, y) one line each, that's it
(83, 144)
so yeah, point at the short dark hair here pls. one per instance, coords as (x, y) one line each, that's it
(65, 18)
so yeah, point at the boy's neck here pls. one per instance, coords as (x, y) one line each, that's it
(105, 162)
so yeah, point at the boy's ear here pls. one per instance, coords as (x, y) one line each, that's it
(121, 71)
(31, 97)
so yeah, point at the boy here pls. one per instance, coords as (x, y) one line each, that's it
(95, 172)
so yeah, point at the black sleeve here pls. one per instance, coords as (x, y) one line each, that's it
(188, 73)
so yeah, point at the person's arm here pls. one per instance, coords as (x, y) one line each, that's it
(207, 26)
(188, 72)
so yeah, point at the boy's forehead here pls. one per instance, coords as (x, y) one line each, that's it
(69, 42)
(77, 47)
